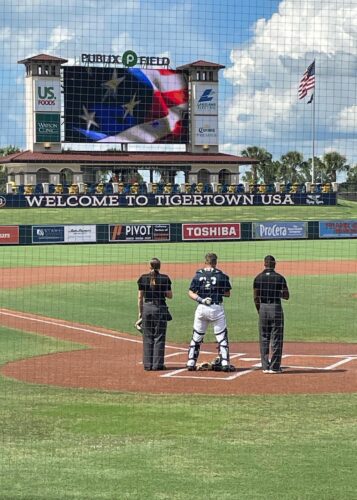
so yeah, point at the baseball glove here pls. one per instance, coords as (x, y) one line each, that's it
(204, 367)
(216, 366)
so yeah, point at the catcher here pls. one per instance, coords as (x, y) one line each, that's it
(208, 287)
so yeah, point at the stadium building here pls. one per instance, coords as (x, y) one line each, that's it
(81, 122)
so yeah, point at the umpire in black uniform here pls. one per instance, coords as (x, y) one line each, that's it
(269, 288)
(154, 289)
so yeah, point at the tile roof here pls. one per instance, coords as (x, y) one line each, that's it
(145, 158)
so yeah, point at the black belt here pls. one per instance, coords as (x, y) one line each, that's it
(217, 303)
(276, 301)
(155, 302)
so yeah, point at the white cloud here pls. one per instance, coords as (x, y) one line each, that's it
(266, 72)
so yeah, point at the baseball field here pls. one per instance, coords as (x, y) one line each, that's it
(81, 419)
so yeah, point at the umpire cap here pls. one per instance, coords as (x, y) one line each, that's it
(269, 261)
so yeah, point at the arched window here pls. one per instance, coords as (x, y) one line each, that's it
(203, 176)
(43, 175)
(66, 176)
(224, 176)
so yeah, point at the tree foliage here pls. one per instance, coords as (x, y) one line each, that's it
(293, 168)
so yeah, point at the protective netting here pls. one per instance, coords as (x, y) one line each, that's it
(197, 127)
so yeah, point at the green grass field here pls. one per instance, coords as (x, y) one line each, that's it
(82, 444)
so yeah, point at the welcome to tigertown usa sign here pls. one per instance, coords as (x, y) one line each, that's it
(162, 200)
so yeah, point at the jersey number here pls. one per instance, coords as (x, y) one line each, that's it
(209, 282)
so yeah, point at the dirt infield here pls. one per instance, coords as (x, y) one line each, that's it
(112, 361)
(27, 276)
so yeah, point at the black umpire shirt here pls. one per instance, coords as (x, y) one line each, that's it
(270, 285)
(158, 293)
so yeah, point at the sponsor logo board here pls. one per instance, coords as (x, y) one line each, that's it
(139, 232)
(206, 99)
(80, 234)
(279, 230)
(338, 229)
(47, 95)
(48, 127)
(9, 235)
(47, 234)
(217, 231)
(206, 130)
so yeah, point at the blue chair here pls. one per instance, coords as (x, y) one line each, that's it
(108, 188)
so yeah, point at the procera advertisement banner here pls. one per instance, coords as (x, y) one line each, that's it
(338, 229)
(212, 231)
(139, 233)
(9, 235)
(80, 234)
(279, 230)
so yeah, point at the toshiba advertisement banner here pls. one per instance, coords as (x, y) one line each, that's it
(214, 231)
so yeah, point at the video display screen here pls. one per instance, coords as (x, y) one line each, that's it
(131, 105)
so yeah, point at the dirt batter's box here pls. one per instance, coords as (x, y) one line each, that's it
(247, 365)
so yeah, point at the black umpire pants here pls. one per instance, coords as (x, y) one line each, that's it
(271, 335)
(154, 336)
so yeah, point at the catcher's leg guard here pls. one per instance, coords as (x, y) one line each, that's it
(194, 349)
(222, 340)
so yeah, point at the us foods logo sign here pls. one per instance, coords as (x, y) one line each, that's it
(47, 95)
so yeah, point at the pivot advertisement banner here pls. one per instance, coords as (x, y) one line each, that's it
(214, 231)
(279, 230)
(338, 229)
(9, 235)
(139, 233)
(80, 234)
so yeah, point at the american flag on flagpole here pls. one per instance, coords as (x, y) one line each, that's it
(307, 81)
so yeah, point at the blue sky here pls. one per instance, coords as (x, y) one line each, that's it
(265, 45)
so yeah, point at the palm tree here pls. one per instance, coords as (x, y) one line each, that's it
(334, 163)
(264, 158)
(292, 167)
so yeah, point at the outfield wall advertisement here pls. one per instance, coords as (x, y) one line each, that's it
(279, 230)
(175, 232)
(161, 200)
(9, 235)
(214, 231)
(338, 229)
(139, 233)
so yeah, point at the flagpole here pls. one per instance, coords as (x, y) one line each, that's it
(313, 141)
